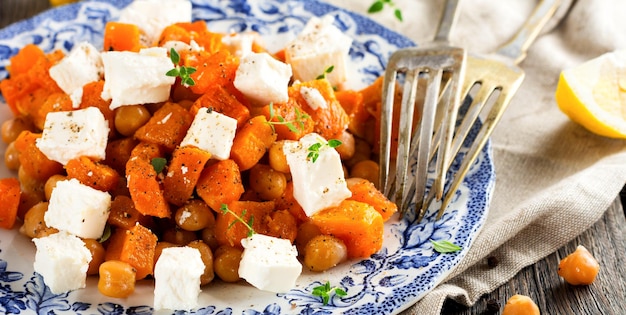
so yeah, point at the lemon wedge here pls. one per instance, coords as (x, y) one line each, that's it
(60, 2)
(593, 94)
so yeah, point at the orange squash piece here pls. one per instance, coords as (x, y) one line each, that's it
(229, 232)
(55, 102)
(329, 120)
(32, 160)
(91, 98)
(124, 215)
(167, 127)
(134, 246)
(143, 184)
(288, 202)
(251, 142)
(93, 174)
(211, 69)
(365, 191)
(222, 101)
(220, 183)
(356, 223)
(183, 173)
(10, 201)
(122, 37)
(290, 112)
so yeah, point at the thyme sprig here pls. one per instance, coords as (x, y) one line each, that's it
(314, 149)
(444, 246)
(224, 208)
(325, 290)
(291, 124)
(180, 71)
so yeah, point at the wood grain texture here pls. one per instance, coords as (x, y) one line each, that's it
(605, 239)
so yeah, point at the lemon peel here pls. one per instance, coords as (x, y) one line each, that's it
(593, 94)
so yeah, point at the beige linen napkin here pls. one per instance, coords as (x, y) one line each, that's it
(554, 179)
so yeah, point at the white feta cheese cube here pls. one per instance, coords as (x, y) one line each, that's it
(62, 260)
(319, 46)
(152, 16)
(177, 278)
(313, 97)
(269, 263)
(81, 66)
(212, 132)
(70, 134)
(320, 184)
(240, 44)
(262, 78)
(78, 209)
(182, 46)
(136, 78)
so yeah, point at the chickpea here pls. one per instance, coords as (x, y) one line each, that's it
(226, 263)
(179, 236)
(51, 183)
(268, 183)
(97, 255)
(362, 151)
(323, 252)
(347, 147)
(366, 169)
(207, 235)
(13, 127)
(579, 267)
(129, 118)
(194, 215)
(520, 305)
(117, 279)
(277, 158)
(306, 231)
(34, 224)
(12, 157)
(207, 258)
(31, 184)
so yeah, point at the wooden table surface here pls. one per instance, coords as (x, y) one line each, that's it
(606, 240)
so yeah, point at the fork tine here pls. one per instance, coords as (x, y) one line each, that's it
(409, 93)
(422, 141)
(386, 118)
(493, 117)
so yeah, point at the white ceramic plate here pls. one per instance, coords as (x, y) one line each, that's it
(399, 275)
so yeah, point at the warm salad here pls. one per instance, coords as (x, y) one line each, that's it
(175, 145)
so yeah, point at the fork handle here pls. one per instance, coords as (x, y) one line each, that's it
(448, 18)
(518, 45)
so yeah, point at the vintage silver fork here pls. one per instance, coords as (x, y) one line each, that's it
(425, 63)
(495, 74)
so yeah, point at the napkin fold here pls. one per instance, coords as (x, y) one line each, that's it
(554, 179)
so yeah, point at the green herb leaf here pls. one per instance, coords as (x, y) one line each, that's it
(377, 6)
(180, 71)
(300, 119)
(158, 163)
(314, 149)
(445, 246)
(325, 290)
(105, 234)
(398, 14)
(326, 71)
(224, 208)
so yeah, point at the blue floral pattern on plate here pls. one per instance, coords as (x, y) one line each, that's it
(399, 275)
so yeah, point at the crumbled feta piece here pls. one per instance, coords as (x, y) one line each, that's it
(152, 16)
(262, 78)
(182, 46)
(62, 260)
(81, 66)
(240, 44)
(78, 209)
(70, 134)
(136, 78)
(316, 185)
(269, 263)
(313, 97)
(212, 132)
(177, 278)
(319, 46)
